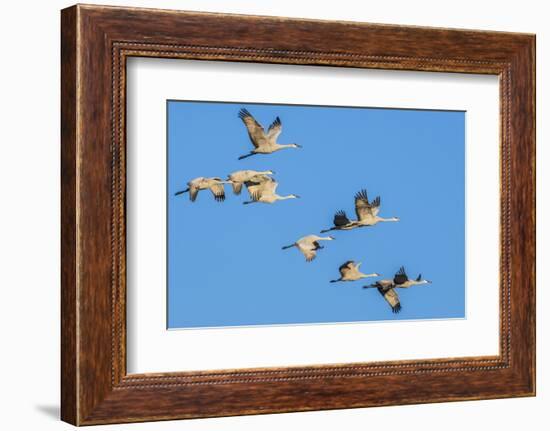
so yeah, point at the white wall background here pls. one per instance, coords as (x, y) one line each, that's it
(29, 214)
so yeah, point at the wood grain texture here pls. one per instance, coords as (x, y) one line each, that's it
(96, 41)
(69, 367)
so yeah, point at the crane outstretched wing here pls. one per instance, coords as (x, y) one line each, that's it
(363, 208)
(267, 188)
(400, 276)
(256, 132)
(346, 267)
(259, 185)
(193, 192)
(375, 206)
(309, 254)
(391, 297)
(258, 179)
(255, 191)
(274, 130)
(237, 180)
(218, 191)
(340, 219)
(237, 187)
(308, 250)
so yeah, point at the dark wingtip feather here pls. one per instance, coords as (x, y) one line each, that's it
(401, 270)
(219, 197)
(276, 123)
(362, 194)
(400, 276)
(396, 309)
(243, 113)
(340, 219)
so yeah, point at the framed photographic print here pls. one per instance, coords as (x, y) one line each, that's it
(317, 215)
(348, 148)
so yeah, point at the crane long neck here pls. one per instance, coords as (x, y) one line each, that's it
(410, 283)
(387, 219)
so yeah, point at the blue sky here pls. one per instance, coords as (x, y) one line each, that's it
(225, 263)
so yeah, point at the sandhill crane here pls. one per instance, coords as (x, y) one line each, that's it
(367, 214)
(238, 178)
(400, 280)
(309, 245)
(262, 189)
(264, 143)
(215, 185)
(349, 271)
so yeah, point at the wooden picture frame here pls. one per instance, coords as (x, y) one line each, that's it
(95, 43)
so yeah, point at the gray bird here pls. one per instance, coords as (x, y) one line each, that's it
(238, 178)
(367, 214)
(264, 143)
(262, 189)
(349, 271)
(215, 185)
(401, 281)
(308, 245)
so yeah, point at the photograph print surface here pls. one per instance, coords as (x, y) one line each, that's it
(295, 214)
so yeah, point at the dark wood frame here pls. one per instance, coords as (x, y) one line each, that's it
(95, 43)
